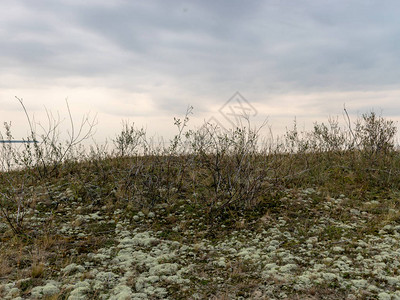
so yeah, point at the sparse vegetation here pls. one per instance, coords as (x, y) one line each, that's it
(211, 215)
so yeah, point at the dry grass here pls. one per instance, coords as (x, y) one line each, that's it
(5, 266)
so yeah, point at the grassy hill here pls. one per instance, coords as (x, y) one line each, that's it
(213, 215)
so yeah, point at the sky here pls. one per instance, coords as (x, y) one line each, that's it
(145, 62)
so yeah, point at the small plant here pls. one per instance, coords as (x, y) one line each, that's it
(233, 162)
(13, 205)
(129, 140)
(374, 134)
(37, 270)
(177, 141)
(331, 137)
(7, 154)
(47, 155)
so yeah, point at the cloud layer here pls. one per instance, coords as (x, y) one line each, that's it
(152, 58)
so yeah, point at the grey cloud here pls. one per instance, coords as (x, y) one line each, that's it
(205, 46)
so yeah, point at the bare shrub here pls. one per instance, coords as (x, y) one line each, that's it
(49, 151)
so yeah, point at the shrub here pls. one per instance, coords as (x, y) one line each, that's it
(374, 134)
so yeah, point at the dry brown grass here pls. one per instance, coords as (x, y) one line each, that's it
(5, 266)
(37, 270)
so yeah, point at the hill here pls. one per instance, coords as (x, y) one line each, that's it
(215, 215)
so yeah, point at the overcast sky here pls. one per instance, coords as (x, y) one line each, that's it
(146, 61)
